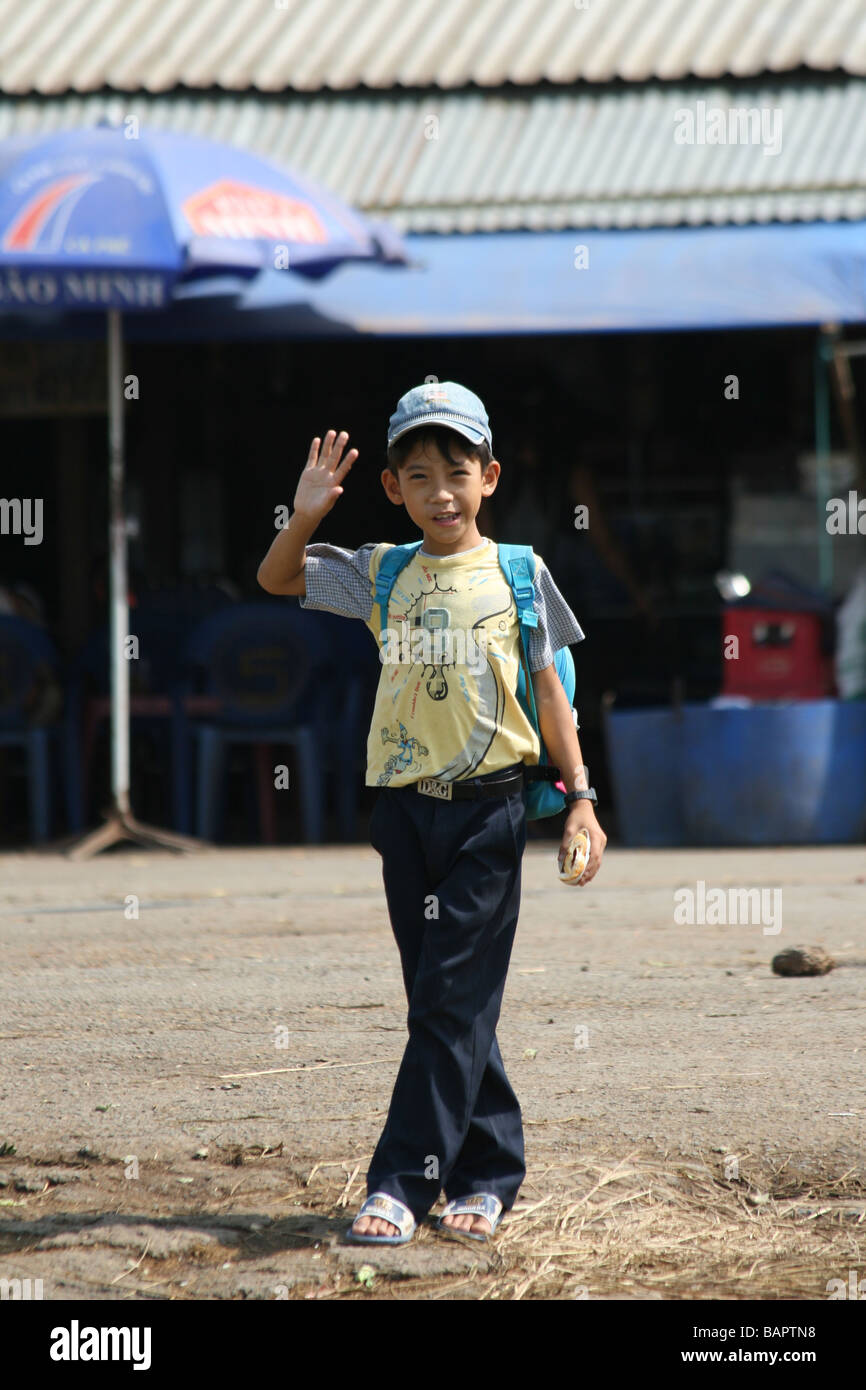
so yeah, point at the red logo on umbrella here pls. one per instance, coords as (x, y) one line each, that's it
(32, 220)
(239, 210)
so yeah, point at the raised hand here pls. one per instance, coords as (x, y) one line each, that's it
(319, 485)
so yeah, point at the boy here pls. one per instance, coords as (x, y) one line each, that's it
(447, 746)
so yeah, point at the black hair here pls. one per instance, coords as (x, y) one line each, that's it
(444, 439)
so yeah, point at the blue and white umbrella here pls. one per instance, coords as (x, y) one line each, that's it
(118, 219)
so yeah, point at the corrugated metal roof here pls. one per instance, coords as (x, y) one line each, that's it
(308, 45)
(543, 161)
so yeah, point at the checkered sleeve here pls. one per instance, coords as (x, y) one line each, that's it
(338, 580)
(557, 625)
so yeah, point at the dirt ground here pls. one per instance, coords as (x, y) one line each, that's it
(189, 1097)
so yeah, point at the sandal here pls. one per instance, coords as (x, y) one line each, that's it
(478, 1204)
(389, 1209)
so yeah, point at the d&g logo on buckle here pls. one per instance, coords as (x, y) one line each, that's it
(432, 786)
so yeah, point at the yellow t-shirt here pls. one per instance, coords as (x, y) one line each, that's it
(446, 704)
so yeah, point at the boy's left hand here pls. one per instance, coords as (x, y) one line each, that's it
(582, 817)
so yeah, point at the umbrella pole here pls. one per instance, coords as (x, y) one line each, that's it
(118, 586)
(120, 823)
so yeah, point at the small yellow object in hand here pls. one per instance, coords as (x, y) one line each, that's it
(576, 858)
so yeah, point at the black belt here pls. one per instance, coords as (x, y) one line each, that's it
(473, 788)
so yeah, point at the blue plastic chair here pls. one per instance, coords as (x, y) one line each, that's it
(163, 621)
(27, 655)
(358, 679)
(275, 677)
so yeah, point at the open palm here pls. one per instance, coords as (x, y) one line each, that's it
(320, 482)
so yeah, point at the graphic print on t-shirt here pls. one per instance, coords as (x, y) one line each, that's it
(450, 705)
(454, 629)
(403, 761)
(433, 619)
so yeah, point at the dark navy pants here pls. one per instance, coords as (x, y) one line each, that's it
(452, 880)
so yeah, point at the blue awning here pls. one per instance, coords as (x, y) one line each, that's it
(584, 282)
(551, 282)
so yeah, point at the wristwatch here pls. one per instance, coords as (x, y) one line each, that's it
(588, 795)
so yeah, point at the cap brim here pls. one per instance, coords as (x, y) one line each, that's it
(474, 436)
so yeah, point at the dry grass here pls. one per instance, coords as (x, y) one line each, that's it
(643, 1227)
(647, 1225)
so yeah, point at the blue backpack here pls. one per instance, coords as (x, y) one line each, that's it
(516, 561)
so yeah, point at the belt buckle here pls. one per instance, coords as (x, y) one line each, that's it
(433, 786)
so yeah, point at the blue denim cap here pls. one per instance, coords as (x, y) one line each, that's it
(441, 403)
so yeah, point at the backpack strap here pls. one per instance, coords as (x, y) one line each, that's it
(518, 565)
(392, 562)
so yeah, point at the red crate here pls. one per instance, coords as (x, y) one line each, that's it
(782, 655)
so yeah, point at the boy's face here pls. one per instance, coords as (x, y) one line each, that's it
(442, 498)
